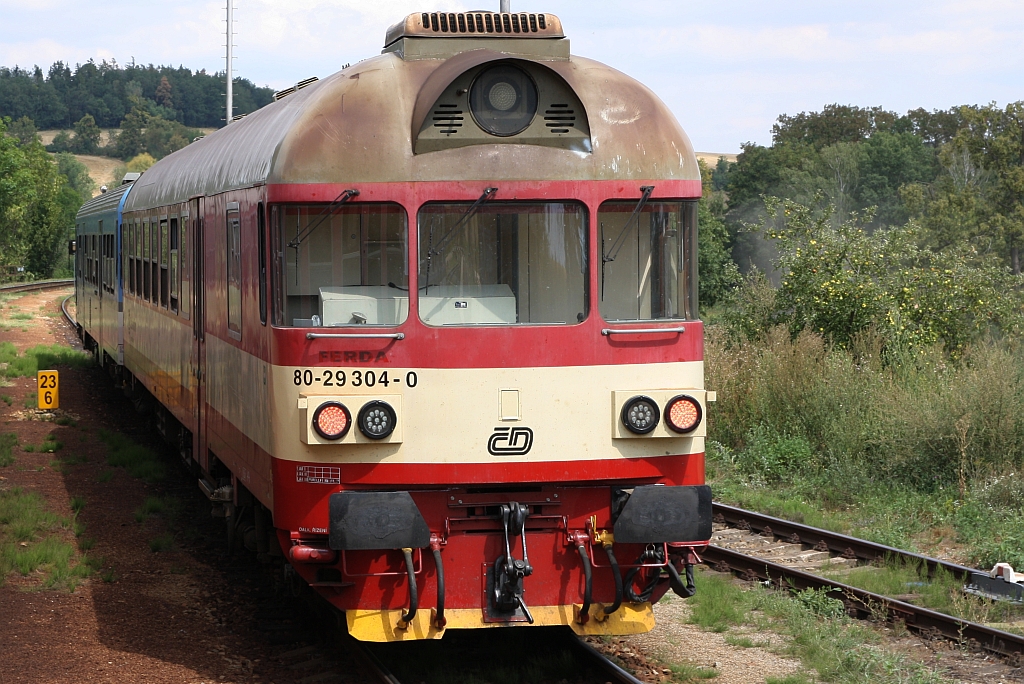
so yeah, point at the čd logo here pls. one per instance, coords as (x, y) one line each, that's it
(508, 441)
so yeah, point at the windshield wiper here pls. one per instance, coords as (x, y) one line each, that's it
(488, 193)
(433, 250)
(345, 196)
(621, 239)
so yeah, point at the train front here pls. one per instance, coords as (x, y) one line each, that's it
(487, 381)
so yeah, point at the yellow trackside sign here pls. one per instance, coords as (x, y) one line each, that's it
(47, 388)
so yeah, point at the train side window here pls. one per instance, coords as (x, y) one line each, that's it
(234, 257)
(129, 257)
(154, 261)
(138, 260)
(186, 267)
(261, 228)
(277, 267)
(102, 258)
(175, 274)
(349, 267)
(648, 260)
(93, 269)
(147, 282)
(164, 261)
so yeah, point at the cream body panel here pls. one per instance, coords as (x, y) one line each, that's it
(237, 388)
(452, 413)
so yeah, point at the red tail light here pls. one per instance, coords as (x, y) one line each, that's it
(332, 420)
(683, 414)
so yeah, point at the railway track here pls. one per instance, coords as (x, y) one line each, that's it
(786, 554)
(470, 657)
(12, 288)
(590, 665)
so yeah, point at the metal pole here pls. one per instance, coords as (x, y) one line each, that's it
(506, 6)
(230, 107)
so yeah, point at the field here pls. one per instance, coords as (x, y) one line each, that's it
(101, 169)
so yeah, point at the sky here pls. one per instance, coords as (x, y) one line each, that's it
(727, 69)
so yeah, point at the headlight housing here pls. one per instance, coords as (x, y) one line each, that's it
(377, 420)
(640, 415)
(503, 100)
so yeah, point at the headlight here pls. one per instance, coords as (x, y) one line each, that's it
(332, 420)
(640, 415)
(377, 419)
(503, 100)
(683, 414)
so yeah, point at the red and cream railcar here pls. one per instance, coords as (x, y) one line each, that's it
(429, 326)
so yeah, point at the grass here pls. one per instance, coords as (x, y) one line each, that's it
(941, 592)
(892, 447)
(77, 504)
(40, 357)
(20, 316)
(139, 461)
(686, 672)
(66, 420)
(161, 543)
(86, 544)
(106, 476)
(151, 506)
(8, 441)
(30, 542)
(50, 445)
(816, 630)
(7, 399)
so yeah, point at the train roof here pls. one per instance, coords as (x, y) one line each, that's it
(105, 202)
(360, 125)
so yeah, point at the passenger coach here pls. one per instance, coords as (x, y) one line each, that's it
(427, 331)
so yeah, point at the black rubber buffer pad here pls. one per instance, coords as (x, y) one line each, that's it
(363, 521)
(656, 513)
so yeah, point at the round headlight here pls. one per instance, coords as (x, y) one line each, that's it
(683, 414)
(377, 420)
(332, 420)
(640, 415)
(503, 100)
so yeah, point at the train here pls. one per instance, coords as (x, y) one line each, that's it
(426, 331)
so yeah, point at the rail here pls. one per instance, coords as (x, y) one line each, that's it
(837, 543)
(37, 285)
(865, 604)
(64, 310)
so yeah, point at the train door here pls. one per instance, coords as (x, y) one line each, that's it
(199, 437)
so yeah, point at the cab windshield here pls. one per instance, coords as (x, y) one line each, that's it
(502, 263)
(648, 260)
(348, 266)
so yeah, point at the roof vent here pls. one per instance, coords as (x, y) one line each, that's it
(281, 94)
(239, 117)
(476, 24)
(130, 178)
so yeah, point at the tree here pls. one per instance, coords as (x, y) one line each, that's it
(994, 138)
(163, 93)
(131, 141)
(35, 219)
(24, 130)
(715, 268)
(87, 136)
(76, 175)
(840, 277)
